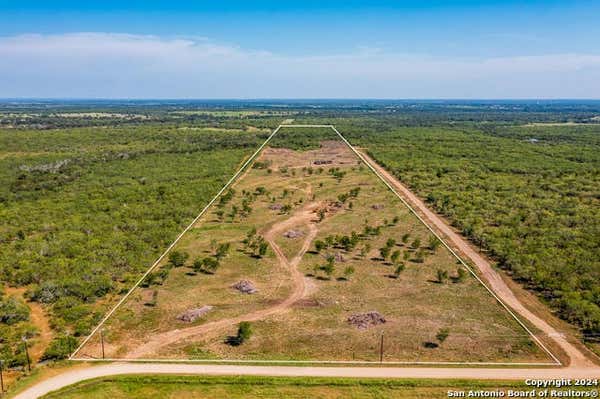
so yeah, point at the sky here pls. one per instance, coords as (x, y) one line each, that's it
(300, 49)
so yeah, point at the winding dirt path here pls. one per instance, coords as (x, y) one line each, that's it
(302, 217)
(491, 276)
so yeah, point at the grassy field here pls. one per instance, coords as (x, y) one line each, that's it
(417, 287)
(132, 387)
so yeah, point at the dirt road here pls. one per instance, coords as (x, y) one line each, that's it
(72, 377)
(302, 217)
(490, 276)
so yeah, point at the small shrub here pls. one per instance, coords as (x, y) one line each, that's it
(178, 258)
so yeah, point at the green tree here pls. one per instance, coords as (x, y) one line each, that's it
(442, 275)
(434, 243)
(210, 265)
(330, 240)
(420, 256)
(442, 335)
(321, 214)
(395, 257)
(364, 251)
(319, 246)
(13, 310)
(348, 271)
(251, 234)
(222, 250)
(405, 238)
(399, 269)
(416, 243)
(198, 265)
(178, 258)
(60, 348)
(262, 249)
(461, 275)
(244, 331)
(384, 252)
(329, 267)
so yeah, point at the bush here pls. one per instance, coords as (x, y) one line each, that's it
(178, 258)
(13, 310)
(243, 334)
(60, 348)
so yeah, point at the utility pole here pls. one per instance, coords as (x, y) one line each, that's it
(381, 349)
(102, 341)
(27, 353)
(1, 377)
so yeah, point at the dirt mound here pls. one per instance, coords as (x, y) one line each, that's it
(293, 234)
(245, 286)
(363, 321)
(192, 315)
(322, 162)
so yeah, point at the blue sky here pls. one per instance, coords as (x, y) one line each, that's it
(309, 49)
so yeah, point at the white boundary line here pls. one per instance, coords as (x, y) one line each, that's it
(161, 257)
(361, 362)
(389, 186)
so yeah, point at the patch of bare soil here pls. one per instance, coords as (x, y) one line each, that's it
(330, 154)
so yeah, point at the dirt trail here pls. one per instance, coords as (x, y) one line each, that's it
(38, 318)
(303, 216)
(493, 279)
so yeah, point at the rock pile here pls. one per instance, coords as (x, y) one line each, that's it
(322, 161)
(245, 286)
(293, 234)
(192, 315)
(362, 321)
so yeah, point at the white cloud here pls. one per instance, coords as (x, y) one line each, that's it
(130, 66)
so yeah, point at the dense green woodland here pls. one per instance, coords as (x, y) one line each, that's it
(85, 210)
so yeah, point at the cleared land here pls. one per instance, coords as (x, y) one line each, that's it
(375, 256)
